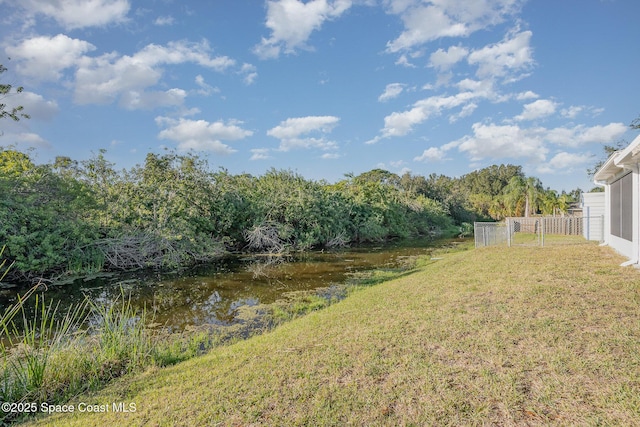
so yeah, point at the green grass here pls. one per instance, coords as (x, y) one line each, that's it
(532, 239)
(495, 336)
(48, 358)
(47, 361)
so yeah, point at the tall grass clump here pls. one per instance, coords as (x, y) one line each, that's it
(34, 342)
(50, 357)
(121, 338)
(30, 347)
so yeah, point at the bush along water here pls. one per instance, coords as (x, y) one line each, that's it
(79, 217)
(76, 218)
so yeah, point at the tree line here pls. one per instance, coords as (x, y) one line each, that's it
(77, 217)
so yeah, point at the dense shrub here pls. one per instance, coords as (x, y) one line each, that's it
(79, 217)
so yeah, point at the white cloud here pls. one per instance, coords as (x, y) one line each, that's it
(424, 24)
(565, 163)
(293, 132)
(484, 89)
(111, 77)
(295, 127)
(260, 154)
(292, 21)
(444, 60)
(391, 91)
(580, 135)
(249, 72)
(19, 133)
(401, 123)
(404, 61)
(571, 112)
(44, 58)
(505, 59)
(205, 88)
(31, 139)
(537, 109)
(425, 21)
(466, 111)
(104, 79)
(24, 139)
(34, 105)
(180, 52)
(524, 96)
(512, 141)
(329, 156)
(201, 135)
(431, 154)
(73, 14)
(508, 141)
(140, 100)
(164, 20)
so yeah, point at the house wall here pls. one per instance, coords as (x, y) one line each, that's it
(627, 248)
(593, 209)
(635, 208)
(622, 246)
(622, 209)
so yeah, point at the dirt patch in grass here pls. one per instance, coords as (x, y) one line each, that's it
(519, 336)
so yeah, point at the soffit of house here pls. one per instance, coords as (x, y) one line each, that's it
(619, 161)
(609, 169)
(631, 154)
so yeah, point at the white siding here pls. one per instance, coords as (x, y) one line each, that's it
(623, 233)
(593, 209)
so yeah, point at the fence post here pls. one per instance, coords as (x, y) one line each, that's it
(542, 223)
(588, 223)
(509, 232)
(484, 237)
(475, 234)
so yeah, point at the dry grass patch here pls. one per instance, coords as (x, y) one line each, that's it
(520, 336)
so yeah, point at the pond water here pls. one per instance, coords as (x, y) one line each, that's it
(213, 293)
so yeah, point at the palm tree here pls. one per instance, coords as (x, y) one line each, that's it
(563, 203)
(550, 202)
(523, 190)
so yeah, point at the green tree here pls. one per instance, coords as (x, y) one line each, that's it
(552, 204)
(490, 180)
(379, 175)
(523, 195)
(484, 189)
(44, 217)
(6, 90)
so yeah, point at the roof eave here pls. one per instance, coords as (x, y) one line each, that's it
(619, 161)
(608, 170)
(631, 154)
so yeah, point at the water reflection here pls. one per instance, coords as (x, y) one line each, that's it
(212, 294)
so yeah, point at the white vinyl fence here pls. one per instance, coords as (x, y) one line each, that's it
(539, 231)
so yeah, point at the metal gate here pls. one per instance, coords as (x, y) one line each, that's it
(539, 231)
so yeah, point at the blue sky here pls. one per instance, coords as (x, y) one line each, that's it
(327, 87)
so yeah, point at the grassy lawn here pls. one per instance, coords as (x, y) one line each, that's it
(519, 336)
(532, 239)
